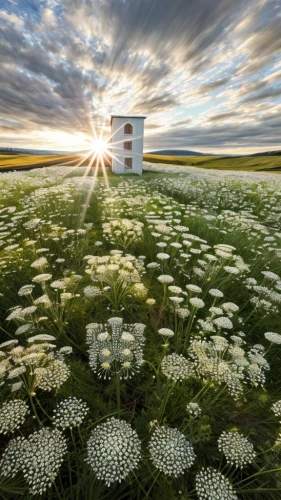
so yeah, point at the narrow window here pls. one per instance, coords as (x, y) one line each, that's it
(129, 163)
(128, 129)
(128, 145)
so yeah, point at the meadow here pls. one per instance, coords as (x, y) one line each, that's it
(240, 163)
(140, 335)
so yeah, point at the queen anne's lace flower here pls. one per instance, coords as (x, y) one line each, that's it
(212, 485)
(115, 347)
(166, 332)
(176, 367)
(70, 413)
(11, 462)
(170, 451)
(113, 450)
(12, 415)
(193, 409)
(42, 457)
(276, 408)
(275, 338)
(236, 448)
(51, 376)
(165, 278)
(196, 302)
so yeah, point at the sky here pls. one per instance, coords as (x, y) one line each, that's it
(206, 73)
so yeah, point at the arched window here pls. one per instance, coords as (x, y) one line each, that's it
(128, 129)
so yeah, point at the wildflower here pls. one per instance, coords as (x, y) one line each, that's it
(40, 263)
(194, 288)
(166, 332)
(275, 338)
(176, 367)
(231, 269)
(212, 485)
(70, 413)
(42, 278)
(11, 462)
(150, 302)
(162, 256)
(24, 329)
(223, 322)
(165, 278)
(115, 348)
(193, 409)
(25, 290)
(175, 289)
(170, 451)
(12, 415)
(51, 376)
(113, 450)
(230, 307)
(196, 302)
(92, 291)
(236, 448)
(215, 293)
(42, 457)
(276, 408)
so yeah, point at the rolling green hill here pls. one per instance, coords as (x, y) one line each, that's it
(248, 163)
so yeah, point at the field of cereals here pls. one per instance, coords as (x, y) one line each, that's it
(248, 163)
(140, 335)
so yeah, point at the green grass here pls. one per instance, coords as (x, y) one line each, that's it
(247, 163)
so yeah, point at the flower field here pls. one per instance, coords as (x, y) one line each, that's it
(140, 335)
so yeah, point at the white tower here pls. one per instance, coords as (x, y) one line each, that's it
(127, 143)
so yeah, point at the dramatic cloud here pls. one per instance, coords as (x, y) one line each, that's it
(207, 74)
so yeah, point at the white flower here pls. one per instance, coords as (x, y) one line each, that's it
(196, 302)
(236, 448)
(70, 413)
(162, 256)
(212, 485)
(223, 322)
(275, 338)
(176, 367)
(194, 288)
(166, 332)
(276, 408)
(113, 450)
(170, 451)
(12, 415)
(165, 278)
(215, 293)
(194, 409)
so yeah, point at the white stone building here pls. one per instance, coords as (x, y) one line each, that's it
(127, 143)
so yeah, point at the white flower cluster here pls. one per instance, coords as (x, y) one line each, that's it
(221, 362)
(275, 338)
(115, 347)
(276, 408)
(212, 485)
(12, 415)
(115, 268)
(51, 376)
(39, 458)
(43, 455)
(113, 450)
(123, 231)
(170, 451)
(177, 367)
(39, 361)
(236, 449)
(70, 413)
(193, 409)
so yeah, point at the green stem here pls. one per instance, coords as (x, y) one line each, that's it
(117, 380)
(34, 411)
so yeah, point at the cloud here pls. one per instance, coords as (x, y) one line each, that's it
(68, 65)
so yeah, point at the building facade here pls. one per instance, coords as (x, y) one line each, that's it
(127, 144)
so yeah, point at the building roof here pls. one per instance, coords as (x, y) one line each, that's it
(125, 116)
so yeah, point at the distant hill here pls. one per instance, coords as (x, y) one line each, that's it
(180, 152)
(268, 153)
(15, 151)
